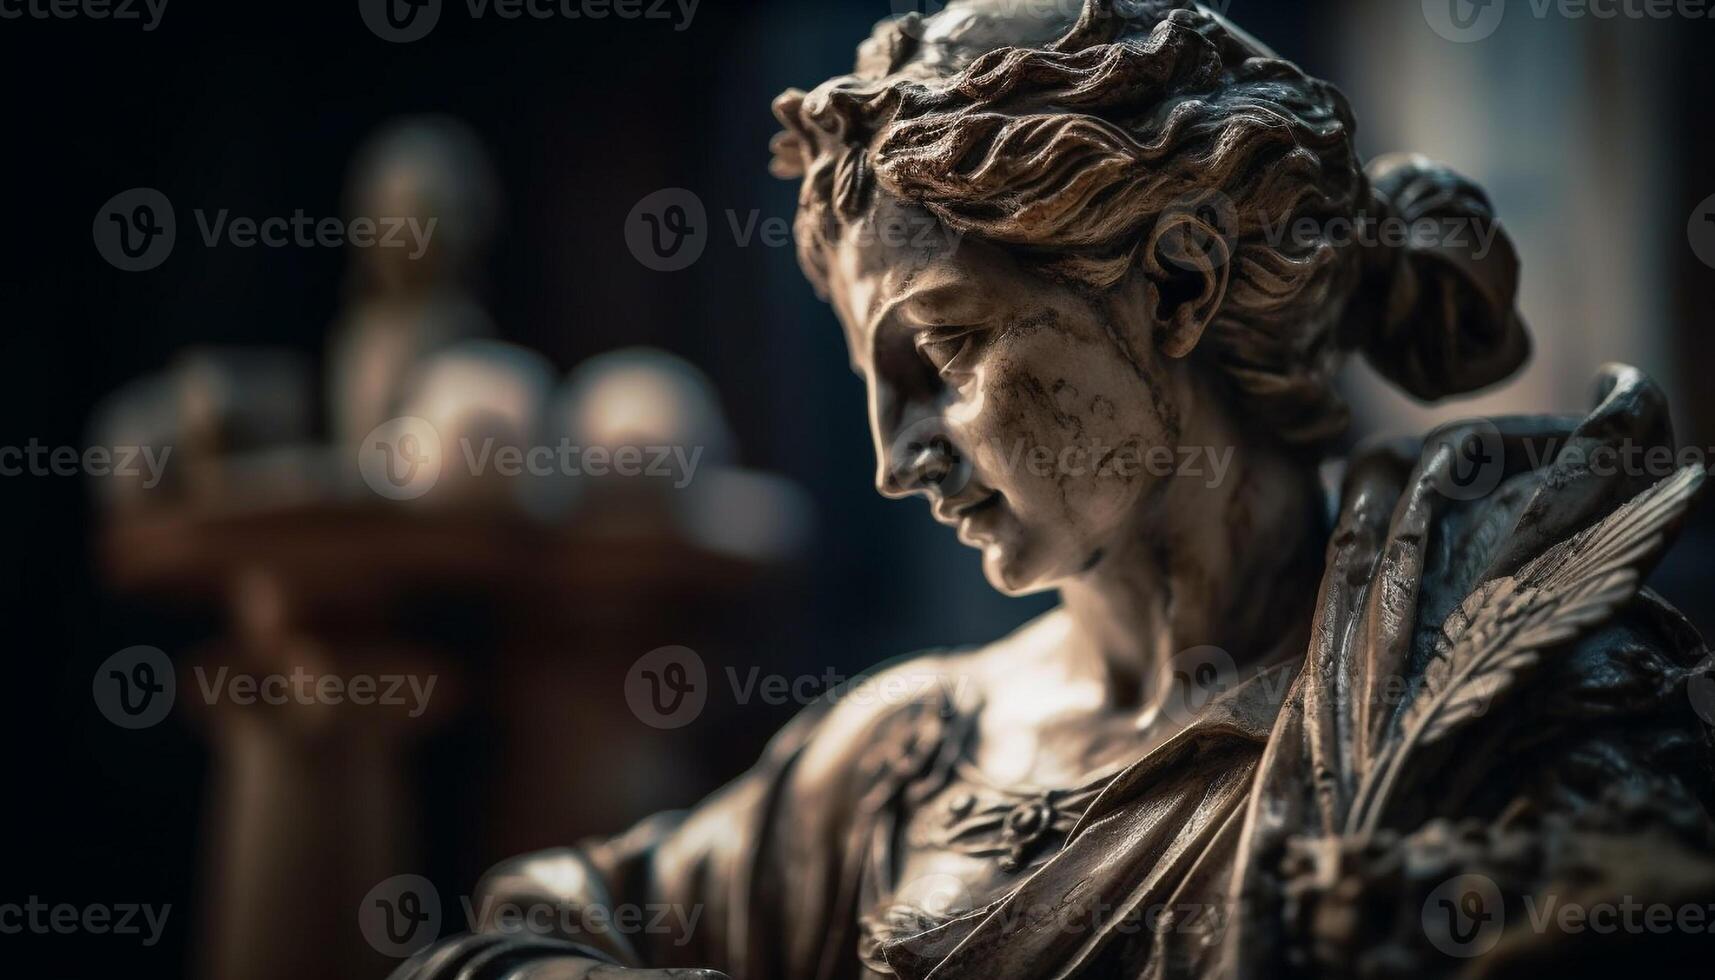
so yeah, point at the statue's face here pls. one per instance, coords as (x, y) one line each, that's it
(1004, 397)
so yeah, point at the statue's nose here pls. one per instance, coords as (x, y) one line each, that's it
(920, 458)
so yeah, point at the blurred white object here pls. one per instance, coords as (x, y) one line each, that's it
(640, 396)
(485, 400)
(657, 409)
(212, 407)
(233, 400)
(144, 413)
(663, 415)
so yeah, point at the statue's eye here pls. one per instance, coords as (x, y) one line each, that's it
(949, 352)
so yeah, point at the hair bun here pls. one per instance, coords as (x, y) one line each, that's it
(1436, 311)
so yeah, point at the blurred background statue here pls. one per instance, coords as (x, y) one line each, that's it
(398, 543)
(405, 307)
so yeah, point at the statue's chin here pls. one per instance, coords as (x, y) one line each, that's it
(1009, 575)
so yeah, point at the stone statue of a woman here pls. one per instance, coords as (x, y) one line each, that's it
(1265, 731)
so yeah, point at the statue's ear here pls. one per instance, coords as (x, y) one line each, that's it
(1187, 261)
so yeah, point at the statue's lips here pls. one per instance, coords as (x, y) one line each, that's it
(981, 505)
(953, 515)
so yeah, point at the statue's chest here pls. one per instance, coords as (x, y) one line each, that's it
(966, 845)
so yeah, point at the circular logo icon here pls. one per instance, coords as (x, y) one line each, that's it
(1701, 689)
(1192, 679)
(136, 687)
(667, 687)
(1464, 21)
(1702, 232)
(401, 915)
(135, 230)
(1197, 232)
(668, 230)
(1464, 916)
(400, 459)
(1477, 459)
(923, 455)
(400, 21)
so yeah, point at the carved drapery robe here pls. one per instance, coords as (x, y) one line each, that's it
(1468, 704)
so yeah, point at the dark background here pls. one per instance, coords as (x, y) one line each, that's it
(259, 108)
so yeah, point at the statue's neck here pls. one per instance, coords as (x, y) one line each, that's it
(1236, 566)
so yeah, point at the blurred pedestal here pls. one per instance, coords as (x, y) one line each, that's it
(311, 803)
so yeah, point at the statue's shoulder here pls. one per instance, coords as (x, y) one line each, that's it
(909, 717)
(1485, 589)
(879, 727)
(1491, 694)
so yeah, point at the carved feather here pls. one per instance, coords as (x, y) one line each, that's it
(1499, 631)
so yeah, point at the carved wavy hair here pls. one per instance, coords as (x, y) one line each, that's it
(1083, 154)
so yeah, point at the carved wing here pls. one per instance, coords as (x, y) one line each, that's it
(1500, 630)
